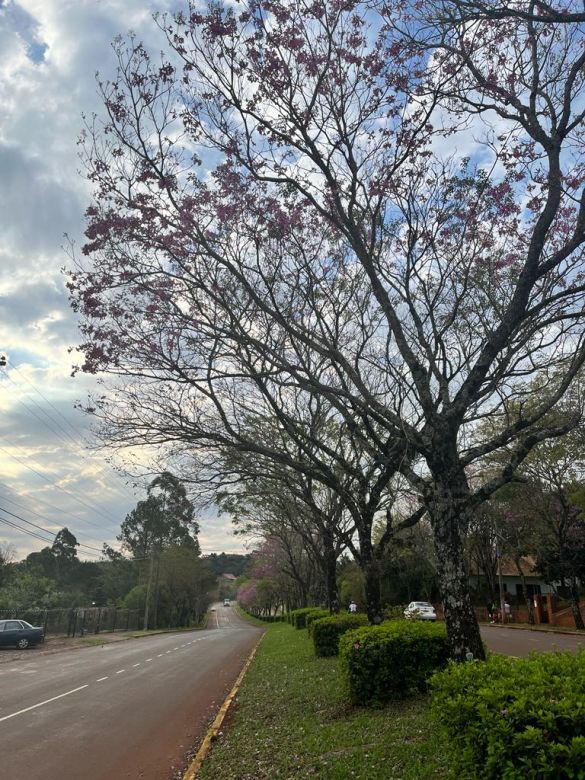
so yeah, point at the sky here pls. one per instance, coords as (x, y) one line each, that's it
(50, 475)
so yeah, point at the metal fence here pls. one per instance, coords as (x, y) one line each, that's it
(78, 621)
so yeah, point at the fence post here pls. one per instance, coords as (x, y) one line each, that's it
(114, 623)
(45, 622)
(73, 621)
(128, 620)
(82, 630)
(99, 620)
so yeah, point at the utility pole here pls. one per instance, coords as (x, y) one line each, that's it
(149, 587)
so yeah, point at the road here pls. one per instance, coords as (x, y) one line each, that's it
(520, 642)
(122, 710)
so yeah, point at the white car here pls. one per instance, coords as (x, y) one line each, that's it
(420, 610)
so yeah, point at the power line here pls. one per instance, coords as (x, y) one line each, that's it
(24, 530)
(78, 443)
(54, 484)
(46, 530)
(46, 503)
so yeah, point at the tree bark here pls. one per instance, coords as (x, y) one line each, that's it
(462, 627)
(330, 561)
(575, 608)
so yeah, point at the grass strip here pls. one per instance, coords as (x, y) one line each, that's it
(291, 720)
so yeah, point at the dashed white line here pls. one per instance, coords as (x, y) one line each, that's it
(160, 655)
(175, 648)
(135, 665)
(101, 679)
(40, 704)
(120, 671)
(147, 660)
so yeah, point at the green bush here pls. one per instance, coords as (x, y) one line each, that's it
(515, 718)
(391, 661)
(394, 612)
(313, 616)
(327, 630)
(298, 616)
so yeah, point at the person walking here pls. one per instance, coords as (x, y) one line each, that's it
(352, 607)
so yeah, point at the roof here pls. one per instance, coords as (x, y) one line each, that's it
(527, 565)
(227, 576)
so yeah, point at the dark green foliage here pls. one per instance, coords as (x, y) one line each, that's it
(515, 718)
(313, 616)
(298, 616)
(327, 630)
(228, 563)
(390, 661)
(394, 612)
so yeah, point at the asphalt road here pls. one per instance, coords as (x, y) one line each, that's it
(123, 710)
(520, 642)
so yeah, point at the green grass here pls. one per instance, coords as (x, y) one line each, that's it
(291, 720)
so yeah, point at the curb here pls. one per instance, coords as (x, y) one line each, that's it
(528, 627)
(195, 765)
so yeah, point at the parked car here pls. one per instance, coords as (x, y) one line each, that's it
(20, 634)
(420, 610)
(226, 602)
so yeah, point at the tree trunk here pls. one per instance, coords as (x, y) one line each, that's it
(577, 616)
(370, 568)
(463, 633)
(330, 564)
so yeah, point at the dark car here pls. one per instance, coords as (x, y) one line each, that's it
(20, 634)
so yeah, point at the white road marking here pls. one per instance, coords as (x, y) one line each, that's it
(101, 679)
(41, 703)
(147, 660)
(168, 651)
(135, 665)
(160, 655)
(120, 671)
(175, 648)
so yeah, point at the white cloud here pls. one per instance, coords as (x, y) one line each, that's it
(50, 51)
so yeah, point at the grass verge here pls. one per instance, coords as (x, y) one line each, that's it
(291, 721)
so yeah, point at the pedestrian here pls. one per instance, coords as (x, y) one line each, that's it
(352, 607)
(491, 612)
(507, 611)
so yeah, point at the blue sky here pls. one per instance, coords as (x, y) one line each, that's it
(50, 51)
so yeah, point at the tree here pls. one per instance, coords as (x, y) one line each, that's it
(64, 548)
(337, 229)
(7, 555)
(166, 517)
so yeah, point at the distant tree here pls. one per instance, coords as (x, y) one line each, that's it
(64, 548)
(7, 556)
(165, 518)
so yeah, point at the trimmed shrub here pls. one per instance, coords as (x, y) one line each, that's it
(313, 616)
(327, 630)
(515, 718)
(391, 661)
(297, 616)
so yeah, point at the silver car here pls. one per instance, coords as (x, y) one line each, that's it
(420, 610)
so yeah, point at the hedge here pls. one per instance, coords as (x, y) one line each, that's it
(297, 616)
(327, 630)
(313, 616)
(391, 661)
(515, 718)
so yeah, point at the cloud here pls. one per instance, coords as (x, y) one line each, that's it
(50, 51)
